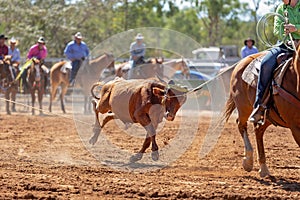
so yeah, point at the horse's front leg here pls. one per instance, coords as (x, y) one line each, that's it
(259, 133)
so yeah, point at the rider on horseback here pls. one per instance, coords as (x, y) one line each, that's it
(38, 51)
(14, 52)
(269, 63)
(137, 51)
(76, 51)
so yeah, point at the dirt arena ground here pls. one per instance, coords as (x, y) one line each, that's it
(44, 158)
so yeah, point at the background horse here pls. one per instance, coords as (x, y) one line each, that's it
(36, 82)
(88, 74)
(170, 67)
(153, 68)
(58, 78)
(150, 67)
(8, 86)
(281, 112)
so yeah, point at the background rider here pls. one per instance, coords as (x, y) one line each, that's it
(76, 51)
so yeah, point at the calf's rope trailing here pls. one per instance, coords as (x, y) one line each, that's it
(45, 111)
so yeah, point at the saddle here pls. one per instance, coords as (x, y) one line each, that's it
(67, 66)
(250, 74)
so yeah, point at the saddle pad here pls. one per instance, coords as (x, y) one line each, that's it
(66, 66)
(280, 71)
(250, 74)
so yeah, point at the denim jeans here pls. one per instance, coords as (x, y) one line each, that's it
(268, 65)
(75, 67)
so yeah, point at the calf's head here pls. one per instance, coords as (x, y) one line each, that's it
(172, 98)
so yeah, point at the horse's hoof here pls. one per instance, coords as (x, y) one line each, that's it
(9, 113)
(155, 155)
(247, 164)
(42, 114)
(13, 110)
(136, 157)
(264, 171)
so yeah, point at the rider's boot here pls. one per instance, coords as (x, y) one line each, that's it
(257, 115)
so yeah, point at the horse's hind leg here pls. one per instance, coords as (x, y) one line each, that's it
(62, 97)
(7, 95)
(259, 133)
(248, 152)
(52, 94)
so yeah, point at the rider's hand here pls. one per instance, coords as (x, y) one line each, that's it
(290, 28)
(134, 58)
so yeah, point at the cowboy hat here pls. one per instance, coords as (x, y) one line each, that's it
(13, 41)
(249, 39)
(42, 40)
(139, 36)
(2, 36)
(78, 35)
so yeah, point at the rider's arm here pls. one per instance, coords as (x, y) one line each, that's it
(278, 23)
(87, 51)
(141, 51)
(18, 56)
(44, 53)
(30, 53)
(67, 51)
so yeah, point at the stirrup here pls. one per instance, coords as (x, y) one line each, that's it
(258, 115)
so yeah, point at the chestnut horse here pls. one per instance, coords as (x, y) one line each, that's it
(155, 67)
(242, 97)
(36, 82)
(87, 75)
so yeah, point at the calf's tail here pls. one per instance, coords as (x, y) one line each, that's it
(97, 84)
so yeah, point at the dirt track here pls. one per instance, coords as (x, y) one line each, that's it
(44, 158)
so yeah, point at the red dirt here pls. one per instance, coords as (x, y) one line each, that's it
(44, 158)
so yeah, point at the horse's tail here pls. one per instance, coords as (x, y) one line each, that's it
(97, 84)
(229, 108)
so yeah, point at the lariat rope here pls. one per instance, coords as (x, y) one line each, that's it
(205, 83)
(45, 111)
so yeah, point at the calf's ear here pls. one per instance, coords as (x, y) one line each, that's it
(158, 92)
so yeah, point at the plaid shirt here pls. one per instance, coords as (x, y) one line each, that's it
(3, 51)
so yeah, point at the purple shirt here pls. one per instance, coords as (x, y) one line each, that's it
(35, 52)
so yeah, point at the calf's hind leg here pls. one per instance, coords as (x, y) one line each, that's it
(97, 127)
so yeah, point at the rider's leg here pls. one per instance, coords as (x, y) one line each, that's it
(268, 65)
(24, 80)
(75, 67)
(133, 65)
